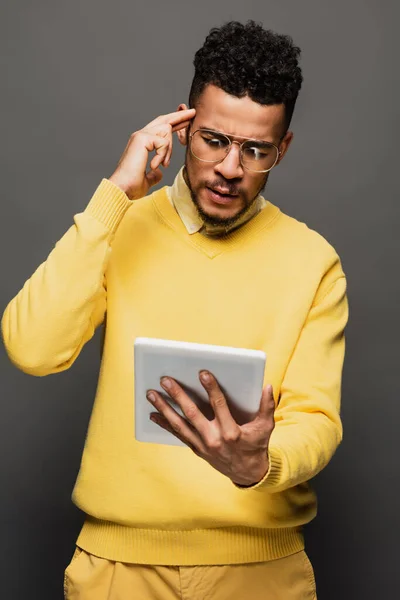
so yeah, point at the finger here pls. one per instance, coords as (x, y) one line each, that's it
(161, 146)
(179, 426)
(262, 426)
(174, 118)
(267, 405)
(163, 423)
(163, 130)
(160, 128)
(180, 116)
(154, 177)
(180, 126)
(144, 143)
(191, 411)
(169, 153)
(230, 430)
(167, 158)
(157, 160)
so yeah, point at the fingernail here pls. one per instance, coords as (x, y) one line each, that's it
(205, 376)
(165, 382)
(150, 396)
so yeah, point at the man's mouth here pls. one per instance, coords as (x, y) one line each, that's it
(221, 195)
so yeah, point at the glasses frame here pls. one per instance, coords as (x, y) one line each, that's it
(228, 149)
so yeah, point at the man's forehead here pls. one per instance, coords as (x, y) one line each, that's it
(240, 117)
(239, 129)
(221, 128)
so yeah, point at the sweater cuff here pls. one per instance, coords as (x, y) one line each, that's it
(108, 205)
(272, 476)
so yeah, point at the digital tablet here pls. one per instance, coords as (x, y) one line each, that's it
(239, 371)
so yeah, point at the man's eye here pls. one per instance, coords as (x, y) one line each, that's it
(214, 142)
(256, 153)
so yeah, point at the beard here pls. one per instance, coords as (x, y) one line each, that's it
(232, 185)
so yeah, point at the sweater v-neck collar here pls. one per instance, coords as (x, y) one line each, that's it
(210, 246)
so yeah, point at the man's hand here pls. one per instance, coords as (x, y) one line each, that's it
(239, 452)
(130, 174)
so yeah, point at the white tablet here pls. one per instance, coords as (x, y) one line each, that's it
(239, 371)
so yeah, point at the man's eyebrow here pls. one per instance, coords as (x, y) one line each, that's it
(235, 137)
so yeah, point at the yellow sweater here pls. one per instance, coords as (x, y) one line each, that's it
(273, 285)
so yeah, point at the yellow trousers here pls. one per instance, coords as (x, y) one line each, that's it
(88, 577)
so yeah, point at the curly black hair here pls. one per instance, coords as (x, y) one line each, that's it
(246, 59)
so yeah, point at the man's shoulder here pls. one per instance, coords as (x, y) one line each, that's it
(306, 238)
(144, 209)
(306, 252)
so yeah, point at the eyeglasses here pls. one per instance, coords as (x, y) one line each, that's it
(211, 146)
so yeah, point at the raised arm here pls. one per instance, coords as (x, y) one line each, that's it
(58, 309)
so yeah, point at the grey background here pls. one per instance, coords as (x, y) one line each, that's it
(76, 79)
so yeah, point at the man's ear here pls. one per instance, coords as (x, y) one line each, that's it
(284, 145)
(183, 133)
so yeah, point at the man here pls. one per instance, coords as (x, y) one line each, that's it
(206, 260)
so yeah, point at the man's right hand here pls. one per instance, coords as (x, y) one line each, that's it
(130, 174)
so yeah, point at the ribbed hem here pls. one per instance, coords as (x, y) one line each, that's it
(220, 546)
(108, 204)
(272, 478)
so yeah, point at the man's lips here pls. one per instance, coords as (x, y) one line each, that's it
(223, 191)
(221, 196)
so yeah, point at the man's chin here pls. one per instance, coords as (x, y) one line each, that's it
(217, 217)
(218, 214)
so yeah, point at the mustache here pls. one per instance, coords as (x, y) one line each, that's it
(231, 186)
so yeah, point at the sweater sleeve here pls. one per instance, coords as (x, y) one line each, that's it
(308, 427)
(58, 309)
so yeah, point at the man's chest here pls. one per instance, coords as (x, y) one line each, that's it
(240, 303)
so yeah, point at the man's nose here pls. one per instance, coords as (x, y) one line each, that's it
(230, 167)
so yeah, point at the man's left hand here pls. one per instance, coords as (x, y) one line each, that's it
(238, 451)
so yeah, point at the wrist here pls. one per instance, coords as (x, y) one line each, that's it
(123, 185)
(245, 486)
(251, 480)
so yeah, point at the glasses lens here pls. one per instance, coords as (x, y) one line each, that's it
(209, 146)
(259, 156)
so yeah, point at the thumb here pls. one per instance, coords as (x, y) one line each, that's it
(154, 177)
(267, 403)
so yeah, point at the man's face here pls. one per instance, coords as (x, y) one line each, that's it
(239, 118)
